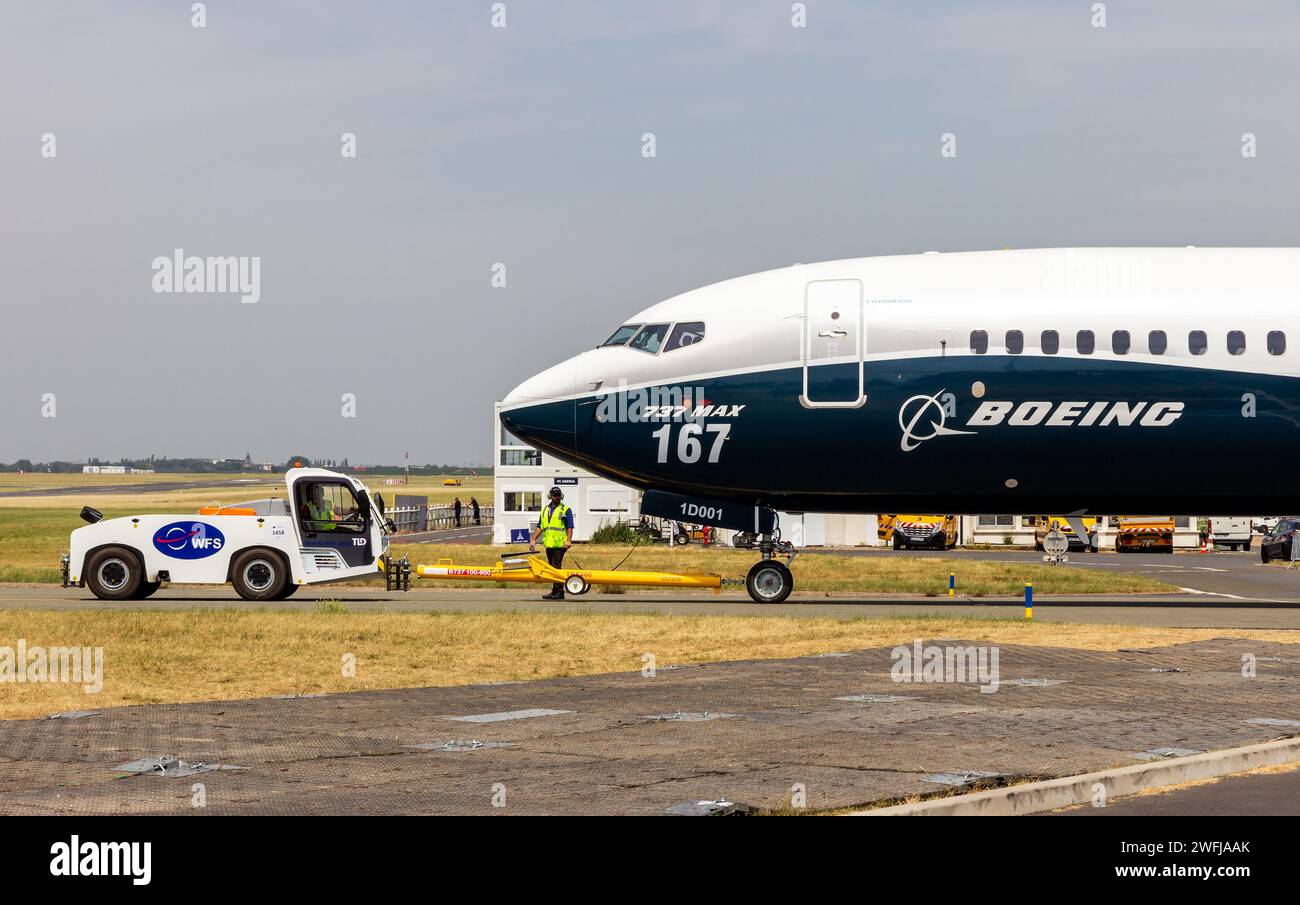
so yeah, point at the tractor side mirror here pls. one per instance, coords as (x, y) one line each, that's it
(390, 525)
(90, 515)
(379, 501)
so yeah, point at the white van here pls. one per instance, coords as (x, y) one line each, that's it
(1231, 531)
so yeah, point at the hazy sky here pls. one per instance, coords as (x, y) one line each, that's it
(522, 145)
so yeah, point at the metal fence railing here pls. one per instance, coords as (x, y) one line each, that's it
(412, 519)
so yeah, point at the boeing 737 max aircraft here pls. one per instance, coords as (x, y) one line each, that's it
(1080, 381)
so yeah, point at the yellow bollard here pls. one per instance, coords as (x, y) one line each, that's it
(1029, 600)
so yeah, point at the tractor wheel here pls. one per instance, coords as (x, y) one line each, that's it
(259, 574)
(115, 573)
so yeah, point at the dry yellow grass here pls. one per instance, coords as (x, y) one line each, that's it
(179, 656)
(432, 487)
(42, 480)
(227, 489)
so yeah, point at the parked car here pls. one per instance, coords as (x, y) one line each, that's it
(1277, 545)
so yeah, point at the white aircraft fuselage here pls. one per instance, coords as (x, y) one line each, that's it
(1093, 380)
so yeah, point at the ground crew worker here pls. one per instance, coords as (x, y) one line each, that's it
(555, 527)
(320, 510)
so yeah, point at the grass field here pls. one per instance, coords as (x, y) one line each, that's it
(172, 656)
(225, 489)
(10, 481)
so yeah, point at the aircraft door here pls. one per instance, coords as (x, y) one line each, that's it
(834, 344)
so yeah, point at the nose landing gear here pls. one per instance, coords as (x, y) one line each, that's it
(769, 580)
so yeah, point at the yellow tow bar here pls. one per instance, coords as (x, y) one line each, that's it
(536, 570)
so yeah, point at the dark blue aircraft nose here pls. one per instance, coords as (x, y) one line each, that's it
(541, 410)
(546, 425)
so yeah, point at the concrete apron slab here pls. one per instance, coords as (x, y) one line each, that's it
(1053, 794)
(829, 732)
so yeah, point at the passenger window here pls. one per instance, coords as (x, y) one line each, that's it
(1015, 342)
(1119, 342)
(1050, 342)
(1197, 343)
(1157, 342)
(1276, 342)
(1085, 341)
(650, 338)
(1236, 342)
(686, 333)
(621, 335)
(979, 341)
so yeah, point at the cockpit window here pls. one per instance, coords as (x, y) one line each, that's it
(686, 333)
(650, 338)
(621, 335)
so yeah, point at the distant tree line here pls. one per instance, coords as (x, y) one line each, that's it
(208, 466)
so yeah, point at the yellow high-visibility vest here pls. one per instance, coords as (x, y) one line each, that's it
(322, 515)
(554, 531)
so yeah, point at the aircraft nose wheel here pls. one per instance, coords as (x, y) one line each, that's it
(769, 581)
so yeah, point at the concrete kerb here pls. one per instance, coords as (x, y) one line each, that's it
(1051, 794)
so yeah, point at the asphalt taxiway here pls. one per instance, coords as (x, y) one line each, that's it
(1188, 611)
(827, 731)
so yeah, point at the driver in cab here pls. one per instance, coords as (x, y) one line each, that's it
(319, 510)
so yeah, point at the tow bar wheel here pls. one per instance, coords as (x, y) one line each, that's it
(576, 584)
(769, 581)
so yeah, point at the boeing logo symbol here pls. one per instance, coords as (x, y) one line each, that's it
(919, 405)
(1034, 413)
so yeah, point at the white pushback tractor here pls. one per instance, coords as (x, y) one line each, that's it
(329, 528)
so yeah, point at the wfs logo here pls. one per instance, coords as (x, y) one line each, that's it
(188, 540)
(924, 417)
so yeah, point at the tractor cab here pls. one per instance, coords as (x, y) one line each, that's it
(336, 518)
